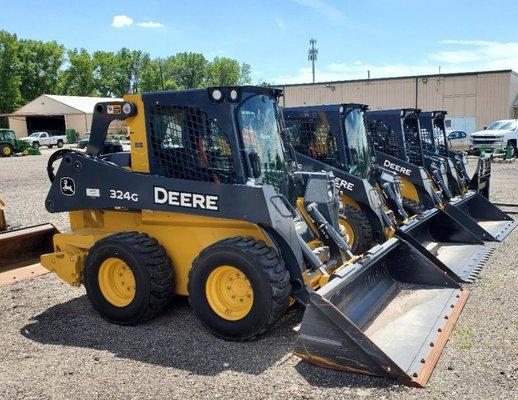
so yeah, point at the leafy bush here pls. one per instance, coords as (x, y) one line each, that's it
(71, 135)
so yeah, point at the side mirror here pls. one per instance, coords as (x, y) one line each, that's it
(255, 163)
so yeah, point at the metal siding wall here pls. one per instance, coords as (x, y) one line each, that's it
(492, 98)
(18, 125)
(485, 96)
(513, 94)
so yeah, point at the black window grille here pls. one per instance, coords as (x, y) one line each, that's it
(187, 144)
(427, 139)
(384, 138)
(411, 132)
(311, 137)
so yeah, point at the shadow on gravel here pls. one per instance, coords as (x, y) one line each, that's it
(176, 339)
(330, 378)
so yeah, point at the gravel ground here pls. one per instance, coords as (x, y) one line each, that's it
(52, 344)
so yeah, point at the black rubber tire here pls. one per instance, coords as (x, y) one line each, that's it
(2, 149)
(413, 207)
(35, 145)
(50, 146)
(152, 270)
(514, 146)
(60, 144)
(363, 238)
(265, 270)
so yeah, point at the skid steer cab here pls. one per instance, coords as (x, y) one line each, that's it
(435, 142)
(371, 197)
(334, 138)
(399, 143)
(207, 204)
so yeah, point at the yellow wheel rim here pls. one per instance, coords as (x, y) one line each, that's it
(229, 293)
(6, 151)
(347, 228)
(116, 282)
(25, 152)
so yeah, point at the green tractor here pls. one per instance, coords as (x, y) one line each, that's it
(9, 145)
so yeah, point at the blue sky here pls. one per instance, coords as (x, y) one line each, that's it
(389, 38)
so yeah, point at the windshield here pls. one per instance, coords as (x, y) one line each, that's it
(36, 134)
(354, 125)
(259, 124)
(502, 125)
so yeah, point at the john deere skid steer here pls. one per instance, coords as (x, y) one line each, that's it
(435, 142)
(397, 139)
(202, 206)
(334, 138)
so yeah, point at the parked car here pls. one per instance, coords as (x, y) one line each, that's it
(84, 141)
(10, 145)
(458, 140)
(497, 136)
(38, 139)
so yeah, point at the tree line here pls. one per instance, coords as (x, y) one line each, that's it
(29, 68)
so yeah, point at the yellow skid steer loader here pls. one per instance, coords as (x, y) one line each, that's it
(205, 205)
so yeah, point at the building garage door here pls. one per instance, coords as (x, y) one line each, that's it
(52, 124)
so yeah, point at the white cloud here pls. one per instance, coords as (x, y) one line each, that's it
(346, 71)
(150, 25)
(120, 21)
(322, 8)
(280, 23)
(467, 42)
(479, 55)
(467, 55)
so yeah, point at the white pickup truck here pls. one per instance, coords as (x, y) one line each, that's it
(498, 135)
(38, 139)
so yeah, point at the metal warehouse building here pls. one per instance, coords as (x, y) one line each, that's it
(54, 114)
(473, 100)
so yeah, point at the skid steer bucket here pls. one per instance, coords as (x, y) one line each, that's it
(458, 251)
(19, 247)
(492, 224)
(390, 314)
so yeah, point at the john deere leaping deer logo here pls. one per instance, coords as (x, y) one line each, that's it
(68, 186)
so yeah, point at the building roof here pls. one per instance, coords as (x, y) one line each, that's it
(50, 104)
(509, 71)
(81, 103)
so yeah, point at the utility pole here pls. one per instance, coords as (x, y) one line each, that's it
(160, 71)
(312, 55)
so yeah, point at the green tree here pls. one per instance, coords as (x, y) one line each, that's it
(185, 70)
(10, 81)
(245, 77)
(78, 78)
(149, 75)
(39, 67)
(104, 65)
(223, 71)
